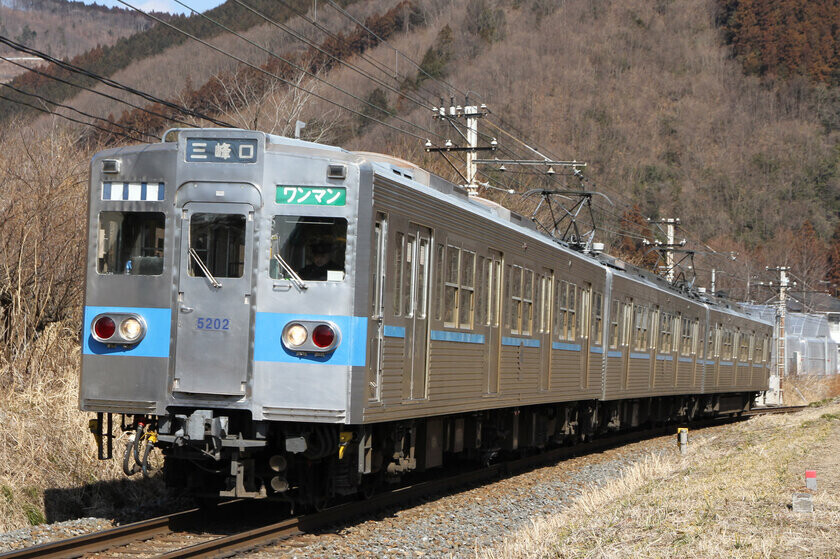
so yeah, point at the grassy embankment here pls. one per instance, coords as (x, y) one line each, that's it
(729, 497)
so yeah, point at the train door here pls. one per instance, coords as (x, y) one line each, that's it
(494, 338)
(214, 298)
(418, 243)
(544, 312)
(377, 314)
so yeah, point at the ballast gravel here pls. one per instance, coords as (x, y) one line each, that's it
(452, 525)
(44, 533)
(456, 525)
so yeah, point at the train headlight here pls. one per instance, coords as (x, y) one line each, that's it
(131, 329)
(295, 335)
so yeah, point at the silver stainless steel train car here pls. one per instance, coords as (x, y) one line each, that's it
(293, 320)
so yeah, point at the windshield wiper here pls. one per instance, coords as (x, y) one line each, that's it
(292, 274)
(216, 283)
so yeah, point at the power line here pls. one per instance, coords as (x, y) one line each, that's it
(113, 83)
(270, 74)
(101, 93)
(71, 119)
(44, 99)
(304, 70)
(395, 49)
(341, 38)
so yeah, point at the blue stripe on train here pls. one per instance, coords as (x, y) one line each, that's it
(393, 331)
(351, 351)
(447, 336)
(154, 344)
(565, 346)
(526, 342)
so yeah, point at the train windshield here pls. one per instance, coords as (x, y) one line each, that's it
(131, 243)
(217, 242)
(313, 247)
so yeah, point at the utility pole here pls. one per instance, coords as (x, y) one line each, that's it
(670, 229)
(781, 314)
(471, 114)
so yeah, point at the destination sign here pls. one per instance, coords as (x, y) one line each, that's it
(221, 150)
(311, 196)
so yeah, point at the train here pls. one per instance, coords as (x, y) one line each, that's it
(294, 321)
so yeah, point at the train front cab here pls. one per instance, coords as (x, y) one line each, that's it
(197, 267)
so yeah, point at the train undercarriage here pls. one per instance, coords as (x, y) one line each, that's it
(226, 455)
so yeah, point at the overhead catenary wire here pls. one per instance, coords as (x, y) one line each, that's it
(345, 63)
(270, 74)
(305, 71)
(130, 129)
(110, 82)
(100, 93)
(395, 49)
(71, 119)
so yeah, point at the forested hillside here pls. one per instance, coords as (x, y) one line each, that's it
(65, 29)
(106, 60)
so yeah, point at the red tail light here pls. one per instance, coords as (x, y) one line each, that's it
(323, 336)
(104, 328)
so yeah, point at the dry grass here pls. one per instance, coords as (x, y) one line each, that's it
(48, 465)
(728, 498)
(805, 389)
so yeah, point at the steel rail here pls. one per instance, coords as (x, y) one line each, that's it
(105, 539)
(289, 527)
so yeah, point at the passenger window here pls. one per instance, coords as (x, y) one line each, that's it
(665, 334)
(450, 304)
(571, 321)
(422, 276)
(466, 295)
(641, 320)
(439, 281)
(597, 324)
(408, 276)
(685, 346)
(527, 302)
(399, 251)
(314, 247)
(614, 322)
(131, 243)
(219, 242)
(378, 270)
(481, 291)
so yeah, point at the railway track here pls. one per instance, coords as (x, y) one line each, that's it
(774, 409)
(183, 534)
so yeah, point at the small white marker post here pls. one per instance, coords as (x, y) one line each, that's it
(803, 501)
(682, 439)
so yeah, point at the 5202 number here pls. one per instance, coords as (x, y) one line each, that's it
(202, 323)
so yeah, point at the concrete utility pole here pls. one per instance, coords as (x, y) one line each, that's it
(470, 114)
(670, 224)
(781, 315)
